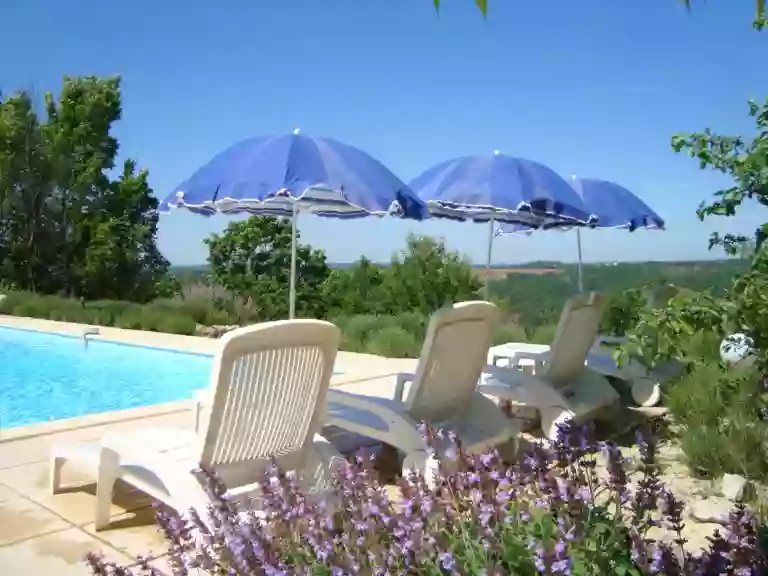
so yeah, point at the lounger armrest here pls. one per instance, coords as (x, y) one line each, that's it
(403, 378)
(514, 358)
(512, 384)
(401, 431)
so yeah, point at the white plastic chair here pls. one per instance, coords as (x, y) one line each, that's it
(267, 391)
(562, 386)
(441, 392)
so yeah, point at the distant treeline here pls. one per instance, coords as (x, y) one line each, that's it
(537, 299)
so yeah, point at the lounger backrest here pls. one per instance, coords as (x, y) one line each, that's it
(576, 333)
(452, 359)
(268, 388)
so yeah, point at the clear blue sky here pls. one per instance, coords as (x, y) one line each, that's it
(593, 88)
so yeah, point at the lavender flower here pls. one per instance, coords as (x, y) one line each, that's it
(551, 513)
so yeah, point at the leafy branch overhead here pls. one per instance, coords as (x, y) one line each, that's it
(745, 159)
(666, 332)
(759, 23)
(481, 4)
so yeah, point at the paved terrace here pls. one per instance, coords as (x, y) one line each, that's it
(42, 534)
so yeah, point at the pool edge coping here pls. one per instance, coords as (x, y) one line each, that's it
(178, 343)
(36, 430)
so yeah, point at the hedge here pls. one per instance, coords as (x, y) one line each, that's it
(399, 336)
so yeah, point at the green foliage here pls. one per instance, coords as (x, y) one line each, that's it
(357, 289)
(481, 4)
(538, 299)
(759, 23)
(401, 335)
(760, 15)
(427, 276)
(544, 334)
(252, 258)
(663, 333)
(746, 160)
(722, 413)
(158, 316)
(623, 312)
(509, 333)
(718, 413)
(65, 226)
(394, 342)
(419, 280)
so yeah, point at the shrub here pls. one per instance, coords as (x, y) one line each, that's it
(623, 312)
(202, 311)
(394, 342)
(48, 308)
(551, 513)
(719, 419)
(357, 331)
(129, 320)
(399, 335)
(544, 334)
(177, 324)
(11, 301)
(414, 323)
(159, 316)
(152, 318)
(218, 317)
(107, 311)
(509, 333)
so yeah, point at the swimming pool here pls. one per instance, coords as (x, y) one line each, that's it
(45, 376)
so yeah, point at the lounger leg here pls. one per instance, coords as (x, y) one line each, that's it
(55, 474)
(646, 392)
(109, 464)
(551, 417)
(420, 461)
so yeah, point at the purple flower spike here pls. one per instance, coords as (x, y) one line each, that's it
(551, 512)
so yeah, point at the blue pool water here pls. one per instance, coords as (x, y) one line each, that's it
(46, 376)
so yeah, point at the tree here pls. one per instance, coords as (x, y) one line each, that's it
(121, 260)
(356, 289)
(746, 161)
(82, 151)
(426, 276)
(26, 247)
(666, 332)
(65, 225)
(252, 258)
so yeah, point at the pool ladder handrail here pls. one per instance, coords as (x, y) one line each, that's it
(89, 331)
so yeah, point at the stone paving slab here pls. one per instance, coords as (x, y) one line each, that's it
(56, 554)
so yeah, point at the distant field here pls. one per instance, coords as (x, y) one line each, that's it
(497, 273)
(671, 270)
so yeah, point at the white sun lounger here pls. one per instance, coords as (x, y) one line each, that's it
(561, 386)
(574, 330)
(267, 391)
(441, 392)
(644, 393)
